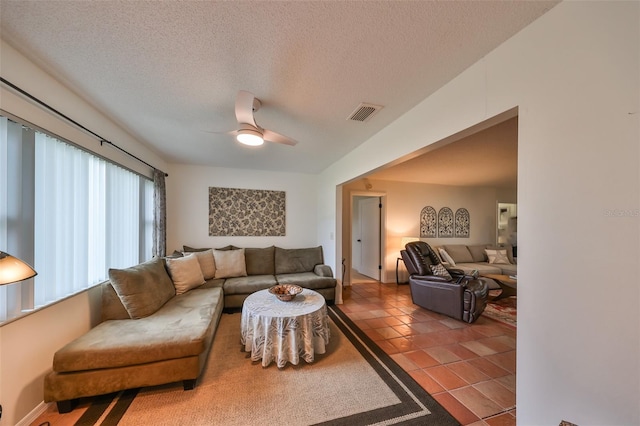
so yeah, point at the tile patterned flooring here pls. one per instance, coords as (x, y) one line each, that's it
(470, 369)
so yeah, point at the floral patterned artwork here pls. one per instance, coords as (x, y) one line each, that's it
(462, 223)
(246, 212)
(428, 222)
(445, 223)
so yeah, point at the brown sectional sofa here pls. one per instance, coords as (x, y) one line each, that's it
(149, 335)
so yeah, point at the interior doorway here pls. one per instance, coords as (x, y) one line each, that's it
(366, 235)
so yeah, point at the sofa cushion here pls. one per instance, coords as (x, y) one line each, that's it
(112, 307)
(143, 288)
(249, 284)
(497, 256)
(509, 269)
(230, 263)
(477, 252)
(260, 261)
(481, 267)
(307, 280)
(185, 273)
(206, 261)
(291, 261)
(194, 249)
(459, 252)
(187, 249)
(444, 256)
(506, 247)
(179, 329)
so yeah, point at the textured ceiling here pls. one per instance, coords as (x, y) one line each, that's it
(169, 71)
(487, 158)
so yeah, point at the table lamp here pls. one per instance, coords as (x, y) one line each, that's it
(13, 269)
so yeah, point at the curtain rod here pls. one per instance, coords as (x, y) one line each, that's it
(55, 111)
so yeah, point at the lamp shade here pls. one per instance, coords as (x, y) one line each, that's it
(250, 137)
(13, 269)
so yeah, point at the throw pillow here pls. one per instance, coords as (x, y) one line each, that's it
(207, 262)
(440, 271)
(185, 273)
(497, 256)
(230, 263)
(445, 256)
(143, 288)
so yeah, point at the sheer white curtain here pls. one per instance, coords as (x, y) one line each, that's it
(69, 213)
(87, 219)
(123, 217)
(61, 220)
(4, 171)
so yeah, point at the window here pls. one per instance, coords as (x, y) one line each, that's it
(70, 214)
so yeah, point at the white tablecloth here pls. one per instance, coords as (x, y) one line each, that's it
(273, 330)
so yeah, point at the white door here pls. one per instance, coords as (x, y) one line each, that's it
(370, 237)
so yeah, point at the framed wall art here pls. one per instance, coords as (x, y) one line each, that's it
(428, 222)
(246, 212)
(445, 223)
(462, 222)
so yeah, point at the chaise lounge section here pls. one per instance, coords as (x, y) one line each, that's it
(159, 318)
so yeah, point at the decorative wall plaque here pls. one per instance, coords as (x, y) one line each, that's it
(246, 212)
(462, 221)
(445, 223)
(428, 222)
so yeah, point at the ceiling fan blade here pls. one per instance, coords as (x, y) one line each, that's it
(244, 108)
(231, 132)
(271, 136)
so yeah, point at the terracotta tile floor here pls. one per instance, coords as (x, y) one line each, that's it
(470, 369)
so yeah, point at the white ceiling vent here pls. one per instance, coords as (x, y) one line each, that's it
(364, 112)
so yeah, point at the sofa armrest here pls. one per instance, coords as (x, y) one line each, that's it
(432, 279)
(323, 271)
(455, 271)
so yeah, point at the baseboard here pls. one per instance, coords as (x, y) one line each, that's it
(34, 414)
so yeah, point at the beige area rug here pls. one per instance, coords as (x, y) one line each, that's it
(353, 383)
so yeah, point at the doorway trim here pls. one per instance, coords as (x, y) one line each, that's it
(347, 248)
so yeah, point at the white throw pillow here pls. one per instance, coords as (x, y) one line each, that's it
(230, 263)
(185, 273)
(445, 256)
(497, 256)
(207, 262)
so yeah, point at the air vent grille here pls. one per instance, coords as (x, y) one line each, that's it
(364, 112)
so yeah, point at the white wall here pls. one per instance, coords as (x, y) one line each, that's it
(27, 344)
(573, 74)
(188, 206)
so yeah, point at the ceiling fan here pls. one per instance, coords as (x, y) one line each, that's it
(249, 133)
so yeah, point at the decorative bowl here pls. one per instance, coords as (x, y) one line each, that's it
(285, 292)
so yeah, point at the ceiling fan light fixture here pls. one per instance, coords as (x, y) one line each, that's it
(249, 137)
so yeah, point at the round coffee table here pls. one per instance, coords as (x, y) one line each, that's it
(273, 330)
(508, 285)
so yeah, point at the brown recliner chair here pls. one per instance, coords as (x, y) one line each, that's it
(455, 294)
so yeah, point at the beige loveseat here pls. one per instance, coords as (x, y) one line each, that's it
(158, 321)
